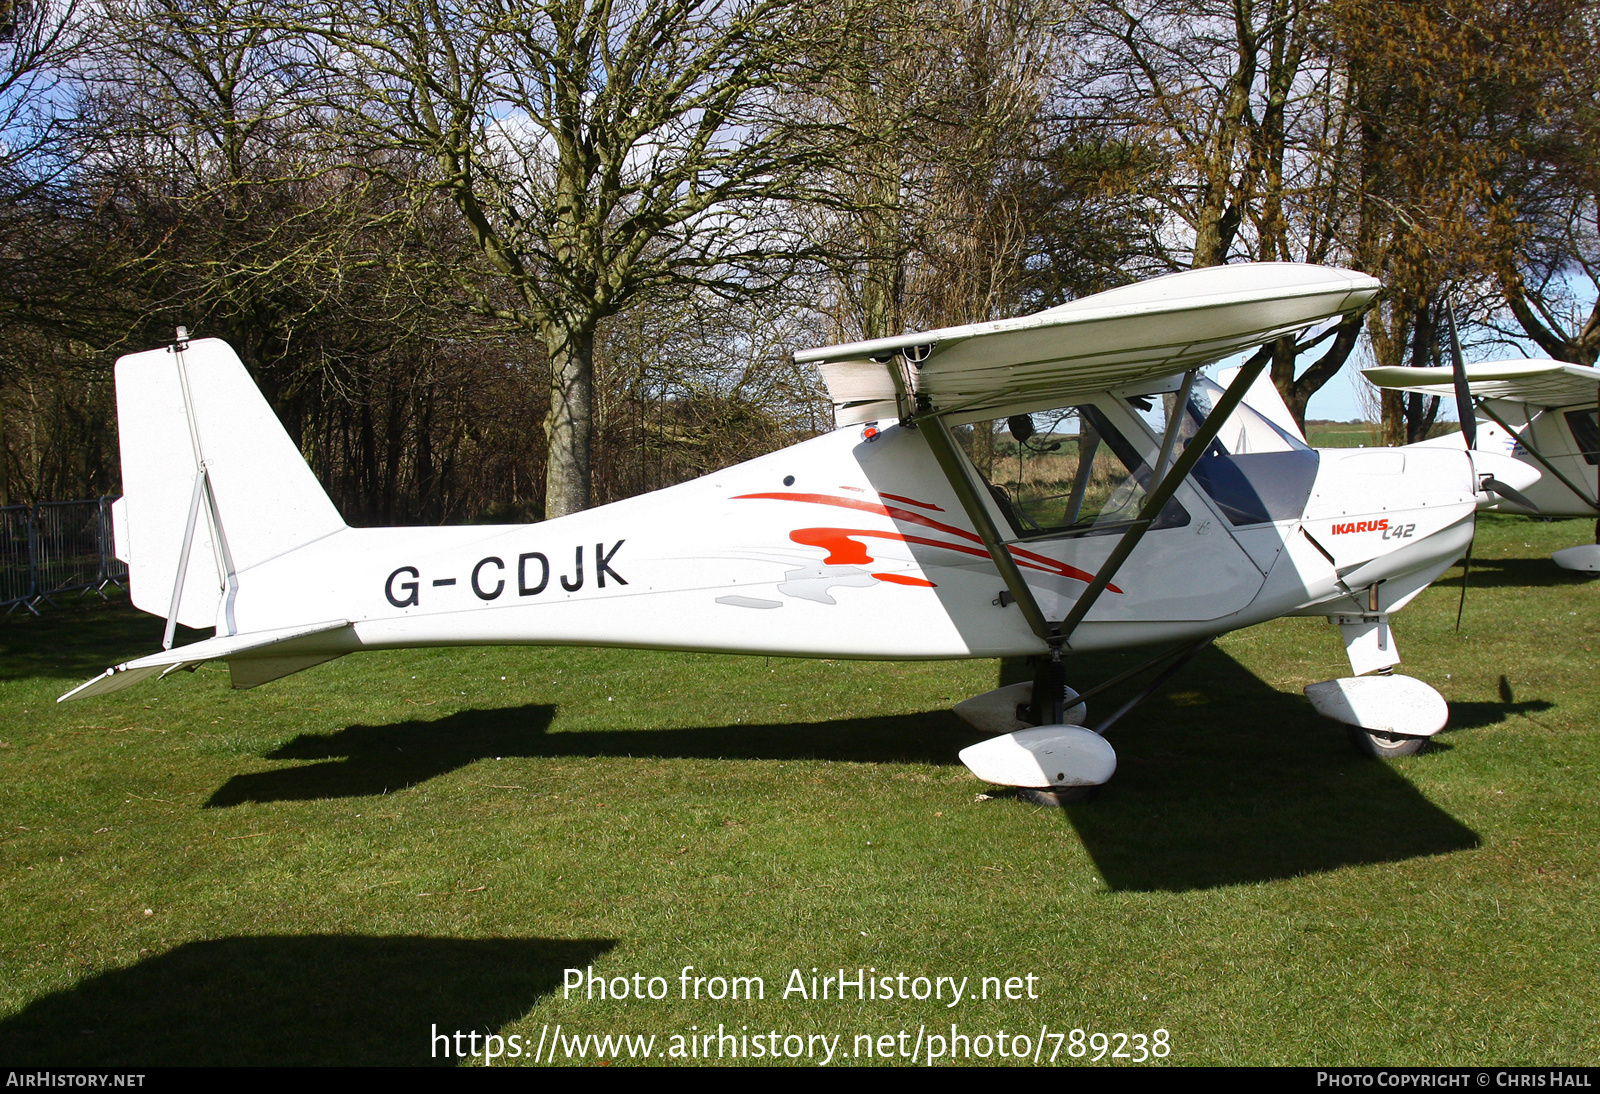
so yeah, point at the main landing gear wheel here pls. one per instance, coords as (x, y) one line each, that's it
(1384, 746)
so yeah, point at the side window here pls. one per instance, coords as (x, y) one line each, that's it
(1063, 472)
(1585, 426)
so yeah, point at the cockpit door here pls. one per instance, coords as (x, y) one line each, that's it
(1065, 485)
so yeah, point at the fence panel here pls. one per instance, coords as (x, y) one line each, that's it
(16, 566)
(56, 547)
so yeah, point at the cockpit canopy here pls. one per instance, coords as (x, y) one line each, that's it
(1072, 471)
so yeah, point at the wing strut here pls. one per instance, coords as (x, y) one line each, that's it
(1056, 635)
(943, 445)
(1157, 499)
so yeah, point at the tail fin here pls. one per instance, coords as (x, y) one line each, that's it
(212, 484)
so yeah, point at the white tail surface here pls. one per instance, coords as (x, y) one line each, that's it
(181, 410)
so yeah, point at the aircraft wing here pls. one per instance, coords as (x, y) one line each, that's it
(1109, 340)
(282, 644)
(1535, 383)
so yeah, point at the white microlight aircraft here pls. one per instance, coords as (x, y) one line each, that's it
(1545, 414)
(1155, 508)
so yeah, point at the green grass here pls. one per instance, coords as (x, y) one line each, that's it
(322, 869)
(1341, 435)
(1324, 434)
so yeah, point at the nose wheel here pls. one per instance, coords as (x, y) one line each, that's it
(1057, 796)
(1384, 746)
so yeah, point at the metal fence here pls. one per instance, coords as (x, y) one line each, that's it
(54, 548)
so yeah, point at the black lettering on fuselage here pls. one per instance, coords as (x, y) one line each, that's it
(409, 587)
(522, 574)
(603, 563)
(500, 586)
(577, 582)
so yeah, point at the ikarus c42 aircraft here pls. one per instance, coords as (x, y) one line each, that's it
(1030, 487)
(1543, 413)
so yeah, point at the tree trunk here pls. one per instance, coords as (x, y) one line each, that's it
(569, 426)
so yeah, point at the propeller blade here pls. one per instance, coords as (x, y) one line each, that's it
(1464, 408)
(1494, 486)
(1466, 569)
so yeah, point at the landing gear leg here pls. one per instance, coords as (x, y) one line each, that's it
(1048, 707)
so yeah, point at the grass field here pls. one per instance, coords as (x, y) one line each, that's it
(330, 867)
(1342, 434)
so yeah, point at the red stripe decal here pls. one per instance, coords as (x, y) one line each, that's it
(913, 501)
(1024, 558)
(845, 551)
(906, 579)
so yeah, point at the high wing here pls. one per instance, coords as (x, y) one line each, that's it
(1110, 340)
(1541, 384)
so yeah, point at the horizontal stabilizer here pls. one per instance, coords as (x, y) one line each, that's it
(1109, 340)
(247, 671)
(228, 646)
(1535, 383)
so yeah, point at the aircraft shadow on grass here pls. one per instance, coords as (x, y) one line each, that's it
(1222, 780)
(307, 999)
(1233, 782)
(1511, 573)
(380, 758)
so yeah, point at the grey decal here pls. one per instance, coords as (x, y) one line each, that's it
(748, 602)
(813, 582)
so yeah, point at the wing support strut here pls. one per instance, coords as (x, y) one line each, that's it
(1158, 497)
(1169, 439)
(937, 434)
(1537, 455)
(1183, 658)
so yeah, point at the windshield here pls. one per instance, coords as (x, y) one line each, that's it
(1255, 472)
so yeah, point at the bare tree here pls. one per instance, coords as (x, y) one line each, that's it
(597, 150)
(1540, 106)
(1241, 107)
(961, 195)
(39, 40)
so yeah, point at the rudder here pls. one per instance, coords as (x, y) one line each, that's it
(197, 437)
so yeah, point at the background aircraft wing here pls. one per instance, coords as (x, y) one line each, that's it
(1535, 383)
(1109, 340)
